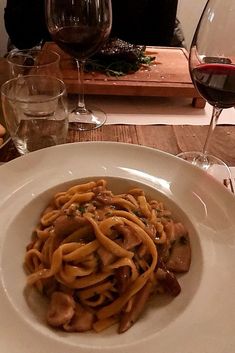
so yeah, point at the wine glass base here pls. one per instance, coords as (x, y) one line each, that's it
(86, 119)
(209, 163)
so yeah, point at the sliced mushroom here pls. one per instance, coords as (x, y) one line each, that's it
(122, 276)
(140, 299)
(65, 225)
(168, 281)
(61, 309)
(104, 197)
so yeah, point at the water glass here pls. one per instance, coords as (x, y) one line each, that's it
(35, 111)
(34, 62)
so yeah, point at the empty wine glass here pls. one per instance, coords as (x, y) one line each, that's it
(80, 28)
(212, 68)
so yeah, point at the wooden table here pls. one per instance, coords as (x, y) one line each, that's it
(172, 139)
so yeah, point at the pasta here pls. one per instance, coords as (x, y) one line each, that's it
(99, 257)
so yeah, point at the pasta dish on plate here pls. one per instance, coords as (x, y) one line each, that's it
(99, 257)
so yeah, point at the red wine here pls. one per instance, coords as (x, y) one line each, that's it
(80, 41)
(216, 83)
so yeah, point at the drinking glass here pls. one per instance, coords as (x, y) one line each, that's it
(35, 111)
(212, 69)
(80, 28)
(34, 62)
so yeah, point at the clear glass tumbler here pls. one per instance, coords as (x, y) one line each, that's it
(35, 111)
(34, 62)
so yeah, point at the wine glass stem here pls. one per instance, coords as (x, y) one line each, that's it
(214, 118)
(80, 71)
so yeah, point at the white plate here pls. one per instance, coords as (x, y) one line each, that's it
(200, 320)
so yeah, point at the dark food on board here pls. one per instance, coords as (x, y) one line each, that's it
(117, 48)
(118, 57)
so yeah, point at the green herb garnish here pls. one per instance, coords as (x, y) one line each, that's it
(81, 209)
(117, 67)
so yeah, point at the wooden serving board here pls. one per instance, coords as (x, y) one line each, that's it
(167, 76)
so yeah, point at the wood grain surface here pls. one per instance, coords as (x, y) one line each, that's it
(171, 139)
(167, 76)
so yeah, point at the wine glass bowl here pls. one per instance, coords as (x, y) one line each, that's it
(80, 28)
(212, 69)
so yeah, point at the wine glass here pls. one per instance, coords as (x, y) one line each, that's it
(212, 69)
(80, 28)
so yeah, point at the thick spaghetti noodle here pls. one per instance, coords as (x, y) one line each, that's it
(99, 257)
